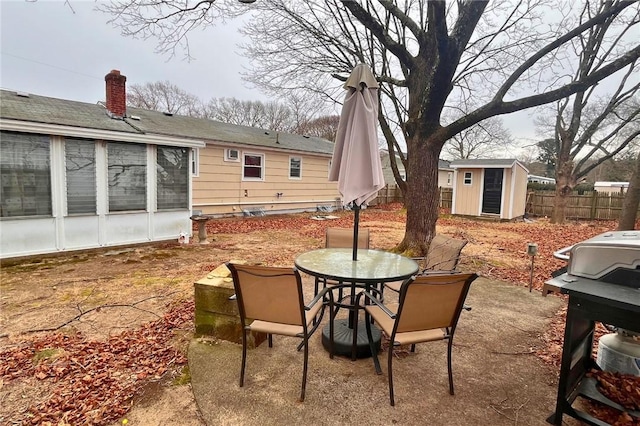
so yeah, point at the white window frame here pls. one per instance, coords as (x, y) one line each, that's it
(292, 158)
(449, 178)
(229, 157)
(262, 168)
(468, 178)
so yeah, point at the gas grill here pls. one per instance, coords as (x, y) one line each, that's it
(603, 283)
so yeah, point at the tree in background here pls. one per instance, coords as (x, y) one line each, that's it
(591, 127)
(631, 201)
(486, 139)
(165, 97)
(547, 154)
(428, 56)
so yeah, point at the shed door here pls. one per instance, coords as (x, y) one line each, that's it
(492, 196)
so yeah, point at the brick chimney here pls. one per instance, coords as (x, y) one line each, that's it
(116, 93)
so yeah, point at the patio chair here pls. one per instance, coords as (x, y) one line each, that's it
(428, 310)
(341, 238)
(443, 255)
(270, 300)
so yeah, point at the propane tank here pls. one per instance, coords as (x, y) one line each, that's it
(620, 352)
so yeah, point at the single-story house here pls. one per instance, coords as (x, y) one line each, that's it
(489, 187)
(445, 172)
(610, 187)
(540, 179)
(77, 176)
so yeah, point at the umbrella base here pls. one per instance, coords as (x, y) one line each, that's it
(343, 339)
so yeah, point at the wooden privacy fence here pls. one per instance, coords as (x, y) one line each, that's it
(392, 193)
(590, 205)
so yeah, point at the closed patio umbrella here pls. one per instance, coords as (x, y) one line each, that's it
(355, 164)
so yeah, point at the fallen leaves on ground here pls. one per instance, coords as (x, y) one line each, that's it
(94, 382)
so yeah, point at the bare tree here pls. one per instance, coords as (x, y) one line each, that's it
(427, 56)
(488, 138)
(266, 115)
(590, 127)
(165, 97)
(324, 127)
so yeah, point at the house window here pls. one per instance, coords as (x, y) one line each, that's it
(80, 174)
(231, 155)
(295, 167)
(449, 178)
(195, 162)
(172, 170)
(25, 170)
(253, 167)
(127, 174)
(467, 178)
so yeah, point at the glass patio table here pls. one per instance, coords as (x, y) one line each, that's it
(373, 267)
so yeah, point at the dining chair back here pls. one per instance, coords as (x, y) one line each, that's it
(428, 309)
(271, 301)
(343, 238)
(444, 254)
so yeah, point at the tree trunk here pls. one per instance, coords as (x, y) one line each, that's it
(421, 200)
(631, 201)
(564, 186)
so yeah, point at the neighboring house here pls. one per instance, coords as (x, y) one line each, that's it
(540, 179)
(494, 188)
(445, 173)
(611, 187)
(78, 176)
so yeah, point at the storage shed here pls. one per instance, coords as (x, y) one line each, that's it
(490, 188)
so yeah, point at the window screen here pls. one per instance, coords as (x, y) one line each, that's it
(80, 169)
(173, 178)
(127, 170)
(25, 173)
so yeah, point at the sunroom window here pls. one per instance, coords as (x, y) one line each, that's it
(173, 178)
(127, 172)
(25, 170)
(80, 174)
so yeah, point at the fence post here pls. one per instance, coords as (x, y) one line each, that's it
(594, 204)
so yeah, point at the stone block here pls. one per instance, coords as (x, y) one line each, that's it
(215, 314)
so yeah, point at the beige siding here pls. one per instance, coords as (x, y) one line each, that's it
(506, 193)
(467, 197)
(220, 189)
(519, 192)
(443, 178)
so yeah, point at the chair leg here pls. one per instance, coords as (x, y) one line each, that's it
(304, 368)
(449, 347)
(270, 338)
(244, 356)
(390, 374)
(374, 354)
(413, 347)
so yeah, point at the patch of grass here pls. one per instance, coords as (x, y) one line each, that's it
(46, 354)
(184, 378)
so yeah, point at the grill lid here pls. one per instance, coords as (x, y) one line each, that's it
(611, 257)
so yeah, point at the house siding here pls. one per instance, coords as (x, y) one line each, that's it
(220, 190)
(467, 197)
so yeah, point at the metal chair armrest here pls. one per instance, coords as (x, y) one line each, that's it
(376, 302)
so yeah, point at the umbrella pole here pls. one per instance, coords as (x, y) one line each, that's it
(356, 222)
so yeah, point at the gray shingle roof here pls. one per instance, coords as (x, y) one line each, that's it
(41, 109)
(484, 163)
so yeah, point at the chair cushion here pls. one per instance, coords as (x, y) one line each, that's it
(286, 329)
(410, 337)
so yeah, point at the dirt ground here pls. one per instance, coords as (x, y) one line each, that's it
(103, 293)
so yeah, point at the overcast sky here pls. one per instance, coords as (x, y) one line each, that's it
(49, 49)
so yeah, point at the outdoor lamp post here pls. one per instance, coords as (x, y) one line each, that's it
(532, 250)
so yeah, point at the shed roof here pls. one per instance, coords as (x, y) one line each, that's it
(485, 163)
(42, 109)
